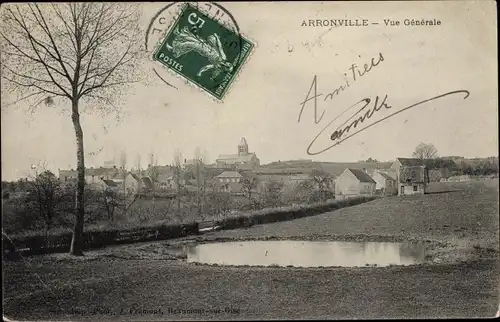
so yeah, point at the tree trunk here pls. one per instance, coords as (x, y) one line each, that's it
(77, 241)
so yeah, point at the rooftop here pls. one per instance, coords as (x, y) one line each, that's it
(300, 176)
(386, 176)
(229, 174)
(361, 175)
(110, 183)
(232, 158)
(415, 174)
(430, 163)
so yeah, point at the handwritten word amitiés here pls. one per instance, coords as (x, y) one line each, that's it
(355, 74)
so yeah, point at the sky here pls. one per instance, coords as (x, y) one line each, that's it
(264, 102)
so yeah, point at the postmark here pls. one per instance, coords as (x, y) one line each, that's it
(199, 43)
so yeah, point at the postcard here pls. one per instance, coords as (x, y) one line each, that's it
(249, 160)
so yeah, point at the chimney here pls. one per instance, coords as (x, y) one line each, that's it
(364, 170)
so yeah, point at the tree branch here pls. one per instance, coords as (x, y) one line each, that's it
(47, 30)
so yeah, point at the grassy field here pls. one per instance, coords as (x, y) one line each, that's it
(462, 213)
(112, 285)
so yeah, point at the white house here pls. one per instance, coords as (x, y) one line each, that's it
(353, 182)
(385, 184)
(132, 183)
(229, 176)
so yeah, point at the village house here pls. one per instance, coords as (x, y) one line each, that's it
(229, 176)
(148, 184)
(132, 183)
(435, 169)
(412, 180)
(354, 182)
(296, 179)
(244, 160)
(109, 185)
(67, 175)
(171, 183)
(386, 184)
(94, 175)
(229, 181)
(160, 172)
(411, 175)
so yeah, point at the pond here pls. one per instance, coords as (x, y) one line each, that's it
(306, 253)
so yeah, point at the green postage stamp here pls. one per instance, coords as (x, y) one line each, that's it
(203, 51)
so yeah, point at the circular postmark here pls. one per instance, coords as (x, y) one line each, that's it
(200, 42)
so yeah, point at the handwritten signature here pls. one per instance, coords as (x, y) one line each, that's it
(366, 109)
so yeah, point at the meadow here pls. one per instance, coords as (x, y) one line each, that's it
(108, 285)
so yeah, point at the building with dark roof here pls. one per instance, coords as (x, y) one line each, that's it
(411, 175)
(94, 175)
(386, 185)
(229, 176)
(132, 183)
(243, 160)
(431, 164)
(148, 183)
(354, 182)
(110, 183)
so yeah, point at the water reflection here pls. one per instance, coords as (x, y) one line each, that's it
(306, 253)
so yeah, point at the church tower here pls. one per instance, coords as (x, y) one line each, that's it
(243, 147)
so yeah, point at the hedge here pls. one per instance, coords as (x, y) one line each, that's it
(60, 242)
(288, 213)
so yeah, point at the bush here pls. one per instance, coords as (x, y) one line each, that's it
(38, 244)
(320, 196)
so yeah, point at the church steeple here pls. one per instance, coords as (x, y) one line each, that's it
(243, 147)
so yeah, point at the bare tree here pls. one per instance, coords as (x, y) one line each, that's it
(272, 193)
(138, 162)
(177, 176)
(111, 201)
(47, 196)
(303, 191)
(123, 175)
(205, 157)
(178, 157)
(248, 186)
(200, 179)
(77, 55)
(123, 160)
(425, 151)
(322, 179)
(219, 202)
(153, 172)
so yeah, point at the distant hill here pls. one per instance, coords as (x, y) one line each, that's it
(306, 166)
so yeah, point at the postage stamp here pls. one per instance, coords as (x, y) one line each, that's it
(204, 51)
